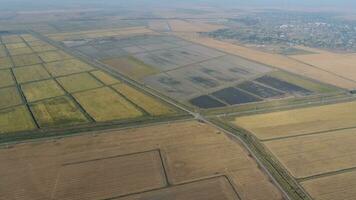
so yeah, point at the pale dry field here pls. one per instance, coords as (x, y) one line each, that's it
(275, 60)
(338, 186)
(299, 121)
(311, 155)
(192, 26)
(190, 151)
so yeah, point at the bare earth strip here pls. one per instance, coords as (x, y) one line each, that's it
(190, 151)
(275, 60)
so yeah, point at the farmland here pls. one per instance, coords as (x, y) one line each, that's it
(151, 162)
(50, 88)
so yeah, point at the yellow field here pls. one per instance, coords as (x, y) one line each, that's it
(79, 82)
(20, 51)
(51, 56)
(24, 60)
(338, 186)
(7, 39)
(299, 121)
(90, 166)
(37, 43)
(59, 111)
(5, 62)
(275, 60)
(66, 67)
(3, 52)
(149, 104)
(30, 73)
(104, 104)
(6, 78)
(15, 119)
(44, 48)
(131, 67)
(28, 38)
(16, 45)
(105, 78)
(41, 90)
(9, 97)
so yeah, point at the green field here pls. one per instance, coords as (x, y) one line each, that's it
(66, 67)
(149, 104)
(104, 104)
(5, 63)
(9, 97)
(79, 82)
(105, 78)
(52, 56)
(30, 73)
(24, 60)
(41, 90)
(6, 78)
(20, 51)
(60, 111)
(15, 119)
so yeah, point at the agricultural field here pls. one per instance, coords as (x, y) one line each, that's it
(5, 62)
(79, 82)
(40, 90)
(66, 67)
(9, 97)
(6, 78)
(24, 60)
(30, 73)
(15, 119)
(160, 161)
(105, 78)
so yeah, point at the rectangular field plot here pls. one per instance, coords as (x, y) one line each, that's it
(43, 48)
(9, 97)
(24, 60)
(37, 43)
(5, 62)
(149, 104)
(41, 90)
(104, 104)
(234, 96)
(3, 52)
(310, 155)
(28, 38)
(66, 67)
(6, 78)
(79, 82)
(7, 39)
(260, 90)
(283, 85)
(15, 119)
(16, 45)
(131, 67)
(105, 78)
(51, 56)
(60, 111)
(30, 73)
(20, 51)
(111, 177)
(206, 102)
(300, 121)
(337, 186)
(211, 189)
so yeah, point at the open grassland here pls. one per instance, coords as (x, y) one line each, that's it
(131, 67)
(299, 121)
(340, 64)
(118, 163)
(304, 83)
(15, 119)
(275, 60)
(52, 56)
(24, 60)
(104, 104)
(7, 39)
(311, 155)
(149, 104)
(6, 78)
(79, 82)
(41, 90)
(219, 188)
(66, 67)
(337, 186)
(20, 51)
(60, 111)
(100, 33)
(9, 97)
(30, 73)
(105, 78)
(5, 62)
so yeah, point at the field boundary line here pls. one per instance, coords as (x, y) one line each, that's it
(326, 174)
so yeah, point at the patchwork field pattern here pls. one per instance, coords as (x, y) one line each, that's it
(52, 89)
(316, 145)
(163, 161)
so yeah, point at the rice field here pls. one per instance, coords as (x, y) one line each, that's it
(15, 119)
(41, 90)
(30, 73)
(20, 51)
(79, 82)
(9, 97)
(67, 67)
(5, 63)
(52, 56)
(6, 78)
(24, 60)
(105, 78)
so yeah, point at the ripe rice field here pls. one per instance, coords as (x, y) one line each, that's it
(6, 78)
(24, 60)
(52, 56)
(41, 90)
(9, 97)
(96, 102)
(105, 78)
(66, 67)
(15, 119)
(13, 46)
(43, 48)
(3, 52)
(60, 111)
(149, 104)
(152, 162)
(30, 73)
(79, 82)
(20, 51)
(5, 62)
(8, 39)
(299, 121)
